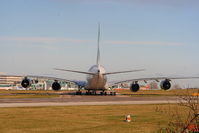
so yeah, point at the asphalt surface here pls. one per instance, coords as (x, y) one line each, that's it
(70, 100)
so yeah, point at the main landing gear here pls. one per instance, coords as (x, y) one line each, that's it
(113, 93)
(94, 92)
(78, 92)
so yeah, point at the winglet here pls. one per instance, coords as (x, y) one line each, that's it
(98, 46)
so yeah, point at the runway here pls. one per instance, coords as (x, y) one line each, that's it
(72, 100)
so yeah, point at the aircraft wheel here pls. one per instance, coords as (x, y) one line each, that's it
(88, 93)
(105, 93)
(78, 93)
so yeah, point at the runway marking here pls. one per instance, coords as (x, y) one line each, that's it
(39, 104)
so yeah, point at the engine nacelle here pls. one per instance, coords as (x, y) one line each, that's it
(165, 84)
(26, 83)
(56, 86)
(135, 87)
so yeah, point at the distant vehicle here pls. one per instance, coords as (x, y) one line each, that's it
(97, 78)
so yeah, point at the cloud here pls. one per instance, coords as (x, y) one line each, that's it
(51, 42)
(44, 40)
(146, 43)
(40, 42)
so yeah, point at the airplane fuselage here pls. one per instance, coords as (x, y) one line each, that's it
(98, 80)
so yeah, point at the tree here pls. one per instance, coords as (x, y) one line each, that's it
(185, 116)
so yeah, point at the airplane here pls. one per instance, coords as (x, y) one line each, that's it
(97, 78)
(97, 75)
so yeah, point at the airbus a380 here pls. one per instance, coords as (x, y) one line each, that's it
(97, 78)
(96, 75)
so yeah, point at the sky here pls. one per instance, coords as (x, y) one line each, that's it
(160, 36)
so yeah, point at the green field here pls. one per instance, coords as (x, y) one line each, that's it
(30, 93)
(174, 92)
(51, 94)
(83, 119)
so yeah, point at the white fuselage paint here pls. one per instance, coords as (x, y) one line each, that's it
(97, 81)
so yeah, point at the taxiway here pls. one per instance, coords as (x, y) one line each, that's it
(71, 100)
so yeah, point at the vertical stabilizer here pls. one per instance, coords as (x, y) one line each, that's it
(98, 47)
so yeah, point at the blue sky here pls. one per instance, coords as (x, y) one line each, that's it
(160, 36)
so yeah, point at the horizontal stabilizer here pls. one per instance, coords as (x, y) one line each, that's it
(74, 71)
(123, 71)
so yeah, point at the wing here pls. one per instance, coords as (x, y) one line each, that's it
(155, 78)
(20, 78)
(165, 83)
(47, 77)
(13, 77)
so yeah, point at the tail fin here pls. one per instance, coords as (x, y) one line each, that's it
(98, 47)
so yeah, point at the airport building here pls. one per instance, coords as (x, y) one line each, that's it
(14, 83)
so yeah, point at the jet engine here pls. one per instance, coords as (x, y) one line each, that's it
(165, 84)
(26, 83)
(135, 87)
(56, 86)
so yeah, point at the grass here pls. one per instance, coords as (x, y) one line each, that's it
(52, 94)
(83, 119)
(174, 92)
(28, 96)
(30, 93)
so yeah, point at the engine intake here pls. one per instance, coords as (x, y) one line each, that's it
(56, 86)
(26, 83)
(135, 87)
(165, 84)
